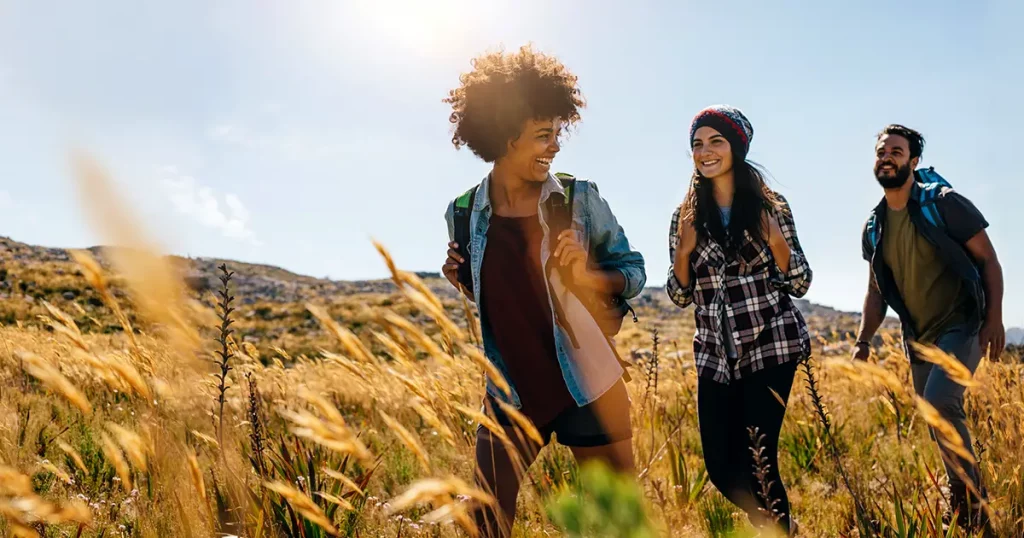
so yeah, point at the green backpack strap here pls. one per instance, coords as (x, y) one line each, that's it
(461, 220)
(565, 209)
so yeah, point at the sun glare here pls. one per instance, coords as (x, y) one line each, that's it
(422, 27)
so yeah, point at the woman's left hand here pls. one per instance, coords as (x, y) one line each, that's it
(570, 253)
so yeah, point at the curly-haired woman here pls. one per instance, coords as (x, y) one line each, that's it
(532, 281)
(737, 259)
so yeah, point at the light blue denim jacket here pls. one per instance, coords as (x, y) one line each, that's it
(590, 370)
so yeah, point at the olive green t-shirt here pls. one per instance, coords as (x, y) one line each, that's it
(932, 292)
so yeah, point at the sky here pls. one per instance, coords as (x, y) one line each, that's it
(294, 133)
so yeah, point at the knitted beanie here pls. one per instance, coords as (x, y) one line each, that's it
(729, 121)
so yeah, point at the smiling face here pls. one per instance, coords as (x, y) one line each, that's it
(893, 163)
(712, 153)
(529, 156)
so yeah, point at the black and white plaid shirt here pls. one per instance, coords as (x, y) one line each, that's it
(767, 328)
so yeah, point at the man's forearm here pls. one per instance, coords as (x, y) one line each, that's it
(992, 279)
(872, 316)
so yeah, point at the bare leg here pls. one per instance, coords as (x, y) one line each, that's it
(618, 455)
(500, 474)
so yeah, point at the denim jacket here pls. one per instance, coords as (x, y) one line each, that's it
(593, 368)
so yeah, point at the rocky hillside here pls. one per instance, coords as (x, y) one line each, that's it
(271, 300)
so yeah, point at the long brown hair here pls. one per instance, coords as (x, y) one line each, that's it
(751, 198)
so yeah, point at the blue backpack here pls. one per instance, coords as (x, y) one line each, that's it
(931, 185)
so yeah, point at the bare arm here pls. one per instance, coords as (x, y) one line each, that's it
(872, 316)
(993, 334)
(611, 282)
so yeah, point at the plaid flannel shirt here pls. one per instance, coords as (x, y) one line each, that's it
(767, 328)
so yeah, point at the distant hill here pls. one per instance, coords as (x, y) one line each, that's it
(45, 273)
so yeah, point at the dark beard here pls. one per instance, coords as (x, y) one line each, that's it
(896, 181)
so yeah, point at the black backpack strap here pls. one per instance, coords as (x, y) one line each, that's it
(461, 219)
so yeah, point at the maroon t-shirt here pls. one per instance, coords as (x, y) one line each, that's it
(517, 310)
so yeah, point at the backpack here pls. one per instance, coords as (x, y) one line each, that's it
(931, 185)
(608, 312)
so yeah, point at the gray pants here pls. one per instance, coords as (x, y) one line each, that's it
(932, 384)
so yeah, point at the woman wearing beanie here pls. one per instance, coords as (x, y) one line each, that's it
(736, 257)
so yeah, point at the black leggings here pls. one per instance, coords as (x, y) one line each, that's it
(725, 412)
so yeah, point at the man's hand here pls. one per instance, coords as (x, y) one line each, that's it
(570, 253)
(861, 351)
(450, 269)
(992, 337)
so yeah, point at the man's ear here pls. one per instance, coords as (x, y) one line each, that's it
(914, 163)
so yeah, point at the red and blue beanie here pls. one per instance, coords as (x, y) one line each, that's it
(729, 121)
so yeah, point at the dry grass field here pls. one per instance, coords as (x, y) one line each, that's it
(133, 405)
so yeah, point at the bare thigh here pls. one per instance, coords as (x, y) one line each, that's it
(618, 455)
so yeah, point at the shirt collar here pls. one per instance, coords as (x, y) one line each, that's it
(483, 198)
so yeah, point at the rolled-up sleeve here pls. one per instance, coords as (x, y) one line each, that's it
(963, 219)
(797, 280)
(610, 245)
(449, 218)
(677, 293)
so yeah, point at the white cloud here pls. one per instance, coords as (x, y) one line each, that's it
(6, 202)
(200, 202)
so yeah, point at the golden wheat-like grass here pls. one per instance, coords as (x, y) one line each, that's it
(866, 372)
(116, 459)
(197, 476)
(353, 346)
(332, 433)
(74, 455)
(488, 367)
(954, 369)
(408, 439)
(439, 491)
(487, 422)
(346, 481)
(303, 505)
(22, 509)
(397, 352)
(132, 444)
(52, 379)
(947, 434)
(416, 335)
(56, 471)
(335, 500)
(430, 417)
(389, 262)
(455, 512)
(413, 386)
(62, 324)
(157, 288)
(208, 439)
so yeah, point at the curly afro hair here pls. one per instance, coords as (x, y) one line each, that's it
(503, 91)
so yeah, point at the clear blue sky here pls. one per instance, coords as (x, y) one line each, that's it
(291, 132)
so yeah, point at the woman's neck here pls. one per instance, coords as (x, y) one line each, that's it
(724, 188)
(511, 195)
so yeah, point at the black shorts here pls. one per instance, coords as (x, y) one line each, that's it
(601, 422)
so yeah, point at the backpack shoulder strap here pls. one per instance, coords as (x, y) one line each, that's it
(872, 231)
(461, 220)
(569, 186)
(463, 210)
(927, 195)
(560, 208)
